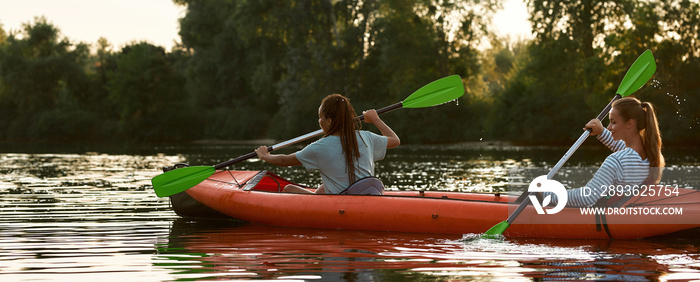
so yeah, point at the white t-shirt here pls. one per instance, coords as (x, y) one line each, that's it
(326, 156)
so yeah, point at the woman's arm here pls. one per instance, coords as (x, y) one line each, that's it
(604, 135)
(372, 117)
(607, 140)
(604, 177)
(279, 159)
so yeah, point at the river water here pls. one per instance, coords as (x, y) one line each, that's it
(88, 213)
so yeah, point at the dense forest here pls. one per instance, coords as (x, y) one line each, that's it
(259, 69)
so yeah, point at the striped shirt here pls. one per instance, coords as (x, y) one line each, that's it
(621, 168)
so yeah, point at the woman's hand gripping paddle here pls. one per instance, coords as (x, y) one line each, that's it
(435, 93)
(638, 74)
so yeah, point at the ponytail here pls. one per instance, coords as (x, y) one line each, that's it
(343, 122)
(651, 137)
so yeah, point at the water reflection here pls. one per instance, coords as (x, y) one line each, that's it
(205, 249)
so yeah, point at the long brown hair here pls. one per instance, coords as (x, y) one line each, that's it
(648, 128)
(343, 121)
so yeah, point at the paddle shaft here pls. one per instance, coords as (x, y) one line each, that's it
(299, 139)
(581, 139)
(565, 158)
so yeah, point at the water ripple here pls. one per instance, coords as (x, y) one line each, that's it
(94, 216)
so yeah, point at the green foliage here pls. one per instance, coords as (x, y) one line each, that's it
(676, 91)
(581, 52)
(39, 72)
(259, 69)
(272, 62)
(3, 35)
(150, 94)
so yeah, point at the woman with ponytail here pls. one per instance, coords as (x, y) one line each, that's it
(345, 154)
(633, 136)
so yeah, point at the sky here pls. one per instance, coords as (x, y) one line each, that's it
(156, 21)
(121, 22)
(512, 20)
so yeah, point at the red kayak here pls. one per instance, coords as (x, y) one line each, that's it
(254, 196)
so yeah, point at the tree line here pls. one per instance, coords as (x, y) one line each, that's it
(259, 69)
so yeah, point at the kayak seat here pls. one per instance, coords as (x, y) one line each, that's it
(366, 186)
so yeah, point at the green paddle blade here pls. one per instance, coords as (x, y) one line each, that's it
(181, 179)
(639, 73)
(497, 230)
(435, 93)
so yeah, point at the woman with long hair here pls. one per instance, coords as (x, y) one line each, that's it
(345, 154)
(633, 136)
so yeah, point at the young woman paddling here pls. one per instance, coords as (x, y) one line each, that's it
(633, 136)
(345, 154)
